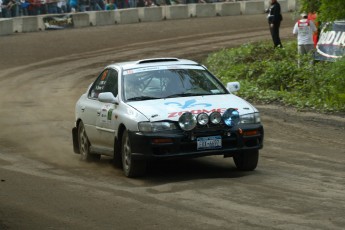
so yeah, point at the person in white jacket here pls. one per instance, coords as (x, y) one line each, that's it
(304, 29)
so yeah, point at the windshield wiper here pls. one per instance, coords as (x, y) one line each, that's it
(142, 98)
(188, 94)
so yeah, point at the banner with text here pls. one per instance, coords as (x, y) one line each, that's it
(331, 44)
(58, 22)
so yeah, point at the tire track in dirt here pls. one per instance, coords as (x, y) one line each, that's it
(44, 79)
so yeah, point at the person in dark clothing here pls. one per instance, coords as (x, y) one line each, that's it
(274, 18)
(140, 3)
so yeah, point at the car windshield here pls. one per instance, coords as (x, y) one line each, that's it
(166, 82)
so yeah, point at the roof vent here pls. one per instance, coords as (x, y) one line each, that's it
(152, 60)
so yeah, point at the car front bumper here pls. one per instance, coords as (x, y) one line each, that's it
(179, 144)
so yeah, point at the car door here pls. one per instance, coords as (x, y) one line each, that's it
(108, 126)
(92, 110)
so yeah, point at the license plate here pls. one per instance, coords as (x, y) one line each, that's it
(213, 142)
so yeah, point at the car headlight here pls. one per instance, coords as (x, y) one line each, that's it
(231, 117)
(187, 121)
(251, 118)
(147, 126)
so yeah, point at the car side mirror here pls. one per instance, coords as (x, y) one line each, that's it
(108, 97)
(233, 86)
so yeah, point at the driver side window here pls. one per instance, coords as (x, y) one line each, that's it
(107, 81)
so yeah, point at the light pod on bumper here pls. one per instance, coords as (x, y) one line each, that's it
(187, 121)
(231, 117)
(215, 118)
(202, 119)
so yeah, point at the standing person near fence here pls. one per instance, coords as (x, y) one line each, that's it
(304, 29)
(313, 17)
(274, 18)
(0, 8)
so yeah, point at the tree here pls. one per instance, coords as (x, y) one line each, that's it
(327, 10)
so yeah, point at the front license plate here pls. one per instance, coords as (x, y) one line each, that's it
(213, 142)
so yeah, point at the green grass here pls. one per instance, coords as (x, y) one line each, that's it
(270, 75)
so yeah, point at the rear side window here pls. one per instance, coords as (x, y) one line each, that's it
(107, 81)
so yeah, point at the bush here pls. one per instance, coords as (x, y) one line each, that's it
(272, 75)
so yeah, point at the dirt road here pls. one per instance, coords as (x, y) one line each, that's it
(299, 183)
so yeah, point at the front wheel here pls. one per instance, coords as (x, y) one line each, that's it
(131, 168)
(247, 161)
(84, 145)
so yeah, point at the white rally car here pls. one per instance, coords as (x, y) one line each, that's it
(164, 108)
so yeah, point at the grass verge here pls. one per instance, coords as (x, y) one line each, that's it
(272, 75)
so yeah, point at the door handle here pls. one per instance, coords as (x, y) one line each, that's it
(82, 108)
(98, 112)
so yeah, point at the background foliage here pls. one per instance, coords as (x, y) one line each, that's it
(327, 10)
(268, 75)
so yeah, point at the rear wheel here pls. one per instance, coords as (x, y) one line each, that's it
(84, 145)
(131, 168)
(247, 161)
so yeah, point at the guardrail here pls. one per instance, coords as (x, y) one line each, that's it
(136, 15)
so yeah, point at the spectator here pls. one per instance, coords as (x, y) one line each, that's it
(131, 3)
(274, 18)
(110, 5)
(83, 5)
(149, 3)
(304, 29)
(1, 9)
(73, 5)
(62, 6)
(94, 6)
(140, 3)
(51, 7)
(101, 4)
(312, 17)
(43, 7)
(7, 8)
(122, 4)
(23, 8)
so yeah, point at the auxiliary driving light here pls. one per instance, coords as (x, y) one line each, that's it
(215, 118)
(202, 119)
(231, 117)
(187, 121)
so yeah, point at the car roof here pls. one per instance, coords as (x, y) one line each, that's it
(152, 62)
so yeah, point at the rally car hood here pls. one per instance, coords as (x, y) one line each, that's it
(173, 108)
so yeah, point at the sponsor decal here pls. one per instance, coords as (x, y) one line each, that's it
(110, 113)
(106, 113)
(188, 104)
(104, 75)
(331, 44)
(196, 111)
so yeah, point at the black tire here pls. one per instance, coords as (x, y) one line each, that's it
(247, 161)
(131, 168)
(84, 145)
(117, 160)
